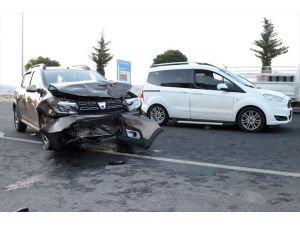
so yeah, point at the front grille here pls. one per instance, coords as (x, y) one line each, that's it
(94, 107)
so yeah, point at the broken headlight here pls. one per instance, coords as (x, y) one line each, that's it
(133, 104)
(63, 107)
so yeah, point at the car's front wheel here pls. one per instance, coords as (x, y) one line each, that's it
(20, 127)
(51, 141)
(159, 114)
(251, 119)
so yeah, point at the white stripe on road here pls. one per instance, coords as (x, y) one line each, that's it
(204, 164)
(18, 139)
(179, 161)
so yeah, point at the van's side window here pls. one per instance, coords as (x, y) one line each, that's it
(154, 78)
(176, 78)
(205, 79)
(172, 78)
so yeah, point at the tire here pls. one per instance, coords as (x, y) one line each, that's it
(51, 141)
(19, 126)
(159, 114)
(251, 119)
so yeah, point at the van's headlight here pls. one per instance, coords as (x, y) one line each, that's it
(133, 104)
(63, 107)
(274, 98)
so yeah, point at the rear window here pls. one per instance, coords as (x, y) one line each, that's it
(171, 78)
(154, 78)
(70, 75)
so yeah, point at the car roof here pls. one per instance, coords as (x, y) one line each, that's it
(182, 65)
(44, 67)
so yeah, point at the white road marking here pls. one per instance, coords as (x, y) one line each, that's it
(204, 164)
(179, 161)
(18, 139)
(26, 183)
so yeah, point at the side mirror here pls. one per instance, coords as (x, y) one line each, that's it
(31, 88)
(222, 86)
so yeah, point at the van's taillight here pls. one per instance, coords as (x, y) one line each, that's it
(142, 94)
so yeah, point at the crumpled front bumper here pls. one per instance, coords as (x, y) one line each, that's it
(126, 127)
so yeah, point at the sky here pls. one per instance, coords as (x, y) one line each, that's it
(217, 34)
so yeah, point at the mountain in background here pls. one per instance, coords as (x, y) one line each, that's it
(6, 89)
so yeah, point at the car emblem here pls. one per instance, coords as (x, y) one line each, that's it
(102, 105)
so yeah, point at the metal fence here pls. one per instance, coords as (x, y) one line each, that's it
(284, 79)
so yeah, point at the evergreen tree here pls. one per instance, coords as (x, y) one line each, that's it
(101, 55)
(170, 56)
(269, 46)
(39, 60)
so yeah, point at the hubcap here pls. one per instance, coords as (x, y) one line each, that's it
(45, 139)
(157, 114)
(251, 120)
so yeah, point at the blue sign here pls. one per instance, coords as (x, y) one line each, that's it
(123, 70)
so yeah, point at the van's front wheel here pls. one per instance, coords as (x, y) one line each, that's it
(251, 119)
(159, 114)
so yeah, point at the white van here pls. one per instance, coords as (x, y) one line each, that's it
(205, 94)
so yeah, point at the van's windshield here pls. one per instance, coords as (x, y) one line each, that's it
(238, 78)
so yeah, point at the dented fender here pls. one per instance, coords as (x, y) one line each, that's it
(126, 123)
(148, 129)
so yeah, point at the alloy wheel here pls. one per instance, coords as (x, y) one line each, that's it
(251, 120)
(158, 114)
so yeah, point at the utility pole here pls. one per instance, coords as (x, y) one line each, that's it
(0, 46)
(22, 61)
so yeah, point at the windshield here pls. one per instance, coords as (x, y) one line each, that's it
(70, 75)
(238, 78)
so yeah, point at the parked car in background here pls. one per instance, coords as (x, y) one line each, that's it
(78, 105)
(205, 94)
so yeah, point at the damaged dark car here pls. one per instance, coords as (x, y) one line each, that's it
(78, 105)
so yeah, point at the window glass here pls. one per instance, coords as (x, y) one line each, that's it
(26, 80)
(69, 75)
(154, 78)
(176, 78)
(205, 79)
(35, 80)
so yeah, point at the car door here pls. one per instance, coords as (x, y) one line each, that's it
(175, 85)
(33, 99)
(21, 99)
(207, 102)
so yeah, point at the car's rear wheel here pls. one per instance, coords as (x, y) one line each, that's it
(51, 141)
(20, 127)
(251, 119)
(159, 114)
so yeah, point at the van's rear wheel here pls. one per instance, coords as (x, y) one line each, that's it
(51, 141)
(159, 114)
(251, 119)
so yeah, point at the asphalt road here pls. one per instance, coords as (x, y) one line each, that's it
(188, 168)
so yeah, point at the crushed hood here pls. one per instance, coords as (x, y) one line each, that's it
(92, 89)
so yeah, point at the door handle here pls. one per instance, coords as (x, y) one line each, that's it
(197, 93)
